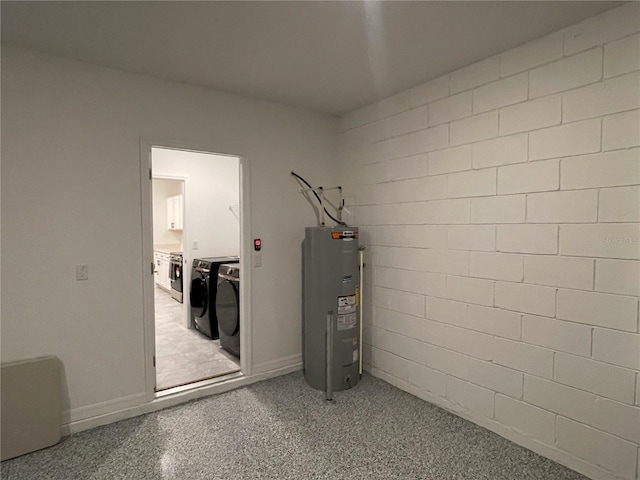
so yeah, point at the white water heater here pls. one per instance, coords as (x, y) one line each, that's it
(331, 305)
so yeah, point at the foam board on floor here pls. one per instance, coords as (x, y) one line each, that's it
(31, 405)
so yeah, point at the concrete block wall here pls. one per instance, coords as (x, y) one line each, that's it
(500, 207)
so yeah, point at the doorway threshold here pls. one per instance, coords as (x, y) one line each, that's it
(198, 384)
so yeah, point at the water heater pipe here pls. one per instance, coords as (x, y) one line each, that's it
(322, 207)
(361, 255)
(338, 221)
(328, 391)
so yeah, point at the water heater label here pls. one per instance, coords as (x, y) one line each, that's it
(346, 300)
(346, 310)
(346, 304)
(346, 236)
(345, 322)
(355, 355)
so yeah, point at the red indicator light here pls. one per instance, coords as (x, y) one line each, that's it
(257, 244)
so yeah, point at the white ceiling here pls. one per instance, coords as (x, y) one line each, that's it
(326, 56)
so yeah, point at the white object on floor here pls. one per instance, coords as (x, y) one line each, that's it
(31, 405)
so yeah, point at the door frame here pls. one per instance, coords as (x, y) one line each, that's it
(146, 207)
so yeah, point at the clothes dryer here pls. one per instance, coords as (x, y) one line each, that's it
(202, 293)
(228, 307)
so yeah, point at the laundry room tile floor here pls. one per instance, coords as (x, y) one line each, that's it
(184, 355)
(282, 429)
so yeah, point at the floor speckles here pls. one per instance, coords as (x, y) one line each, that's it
(282, 429)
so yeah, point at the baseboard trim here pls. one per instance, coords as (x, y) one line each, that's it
(98, 410)
(292, 361)
(558, 456)
(85, 418)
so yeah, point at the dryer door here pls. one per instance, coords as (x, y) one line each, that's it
(227, 307)
(198, 295)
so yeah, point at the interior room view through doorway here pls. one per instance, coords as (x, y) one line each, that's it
(196, 249)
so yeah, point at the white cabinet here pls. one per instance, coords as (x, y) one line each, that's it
(174, 212)
(162, 269)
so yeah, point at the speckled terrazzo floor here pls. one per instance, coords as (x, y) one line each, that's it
(282, 429)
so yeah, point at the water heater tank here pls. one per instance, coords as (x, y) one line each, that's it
(331, 287)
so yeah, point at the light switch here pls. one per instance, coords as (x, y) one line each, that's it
(257, 259)
(82, 272)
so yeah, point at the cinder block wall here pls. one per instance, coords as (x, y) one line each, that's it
(500, 207)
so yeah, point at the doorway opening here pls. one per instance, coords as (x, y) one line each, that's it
(196, 218)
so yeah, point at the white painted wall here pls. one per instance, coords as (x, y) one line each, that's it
(162, 190)
(498, 203)
(212, 185)
(71, 135)
(500, 206)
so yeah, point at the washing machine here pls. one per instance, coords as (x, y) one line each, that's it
(203, 291)
(228, 307)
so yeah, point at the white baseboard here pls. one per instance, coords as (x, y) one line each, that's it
(80, 415)
(85, 418)
(556, 455)
(285, 362)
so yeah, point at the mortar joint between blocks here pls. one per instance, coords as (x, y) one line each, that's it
(521, 339)
(602, 63)
(601, 127)
(493, 414)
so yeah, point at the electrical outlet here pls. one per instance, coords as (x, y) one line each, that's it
(195, 245)
(82, 272)
(257, 259)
